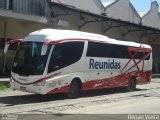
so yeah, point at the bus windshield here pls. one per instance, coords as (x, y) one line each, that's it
(28, 59)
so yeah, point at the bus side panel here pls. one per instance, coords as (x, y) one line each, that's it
(100, 73)
(61, 84)
(105, 73)
(117, 81)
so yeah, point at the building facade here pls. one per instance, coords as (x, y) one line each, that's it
(117, 19)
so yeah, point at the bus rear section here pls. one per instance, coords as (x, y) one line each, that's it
(117, 65)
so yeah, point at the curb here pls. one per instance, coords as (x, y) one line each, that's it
(156, 76)
(2, 80)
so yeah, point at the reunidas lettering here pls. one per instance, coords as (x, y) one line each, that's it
(110, 64)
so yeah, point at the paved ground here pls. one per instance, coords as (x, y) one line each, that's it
(91, 105)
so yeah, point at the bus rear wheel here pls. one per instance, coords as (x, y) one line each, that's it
(131, 85)
(74, 89)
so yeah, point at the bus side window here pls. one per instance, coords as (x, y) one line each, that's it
(65, 54)
(107, 50)
(55, 61)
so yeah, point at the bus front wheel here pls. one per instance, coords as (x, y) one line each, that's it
(131, 85)
(74, 89)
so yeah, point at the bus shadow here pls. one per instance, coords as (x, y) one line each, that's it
(107, 91)
(36, 98)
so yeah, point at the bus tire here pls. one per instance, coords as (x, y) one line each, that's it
(74, 89)
(131, 85)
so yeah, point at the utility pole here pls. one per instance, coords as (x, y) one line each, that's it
(5, 38)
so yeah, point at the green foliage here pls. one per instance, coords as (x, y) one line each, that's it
(4, 86)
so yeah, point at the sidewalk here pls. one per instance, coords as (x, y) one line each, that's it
(4, 79)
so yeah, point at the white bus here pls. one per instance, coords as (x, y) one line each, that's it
(52, 61)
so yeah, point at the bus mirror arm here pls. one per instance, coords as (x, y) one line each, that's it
(44, 49)
(11, 42)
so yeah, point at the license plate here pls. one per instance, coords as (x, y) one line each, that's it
(22, 88)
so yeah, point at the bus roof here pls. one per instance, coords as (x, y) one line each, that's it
(45, 35)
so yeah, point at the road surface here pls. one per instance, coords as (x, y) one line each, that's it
(90, 105)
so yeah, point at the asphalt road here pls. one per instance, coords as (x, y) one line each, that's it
(92, 105)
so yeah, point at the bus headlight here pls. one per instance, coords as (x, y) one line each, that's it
(52, 84)
(40, 83)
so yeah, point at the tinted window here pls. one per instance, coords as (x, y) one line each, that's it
(140, 55)
(65, 54)
(148, 57)
(96, 49)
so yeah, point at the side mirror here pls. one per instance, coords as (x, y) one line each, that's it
(44, 49)
(6, 47)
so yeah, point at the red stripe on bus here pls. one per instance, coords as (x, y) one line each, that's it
(37, 81)
(117, 81)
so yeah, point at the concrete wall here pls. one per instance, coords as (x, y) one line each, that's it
(123, 10)
(152, 18)
(93, 6)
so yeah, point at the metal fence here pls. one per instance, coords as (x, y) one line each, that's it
(35, 7)
(2, 4)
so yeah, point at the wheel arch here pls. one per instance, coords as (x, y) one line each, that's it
(133, 77)
(77, 79)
